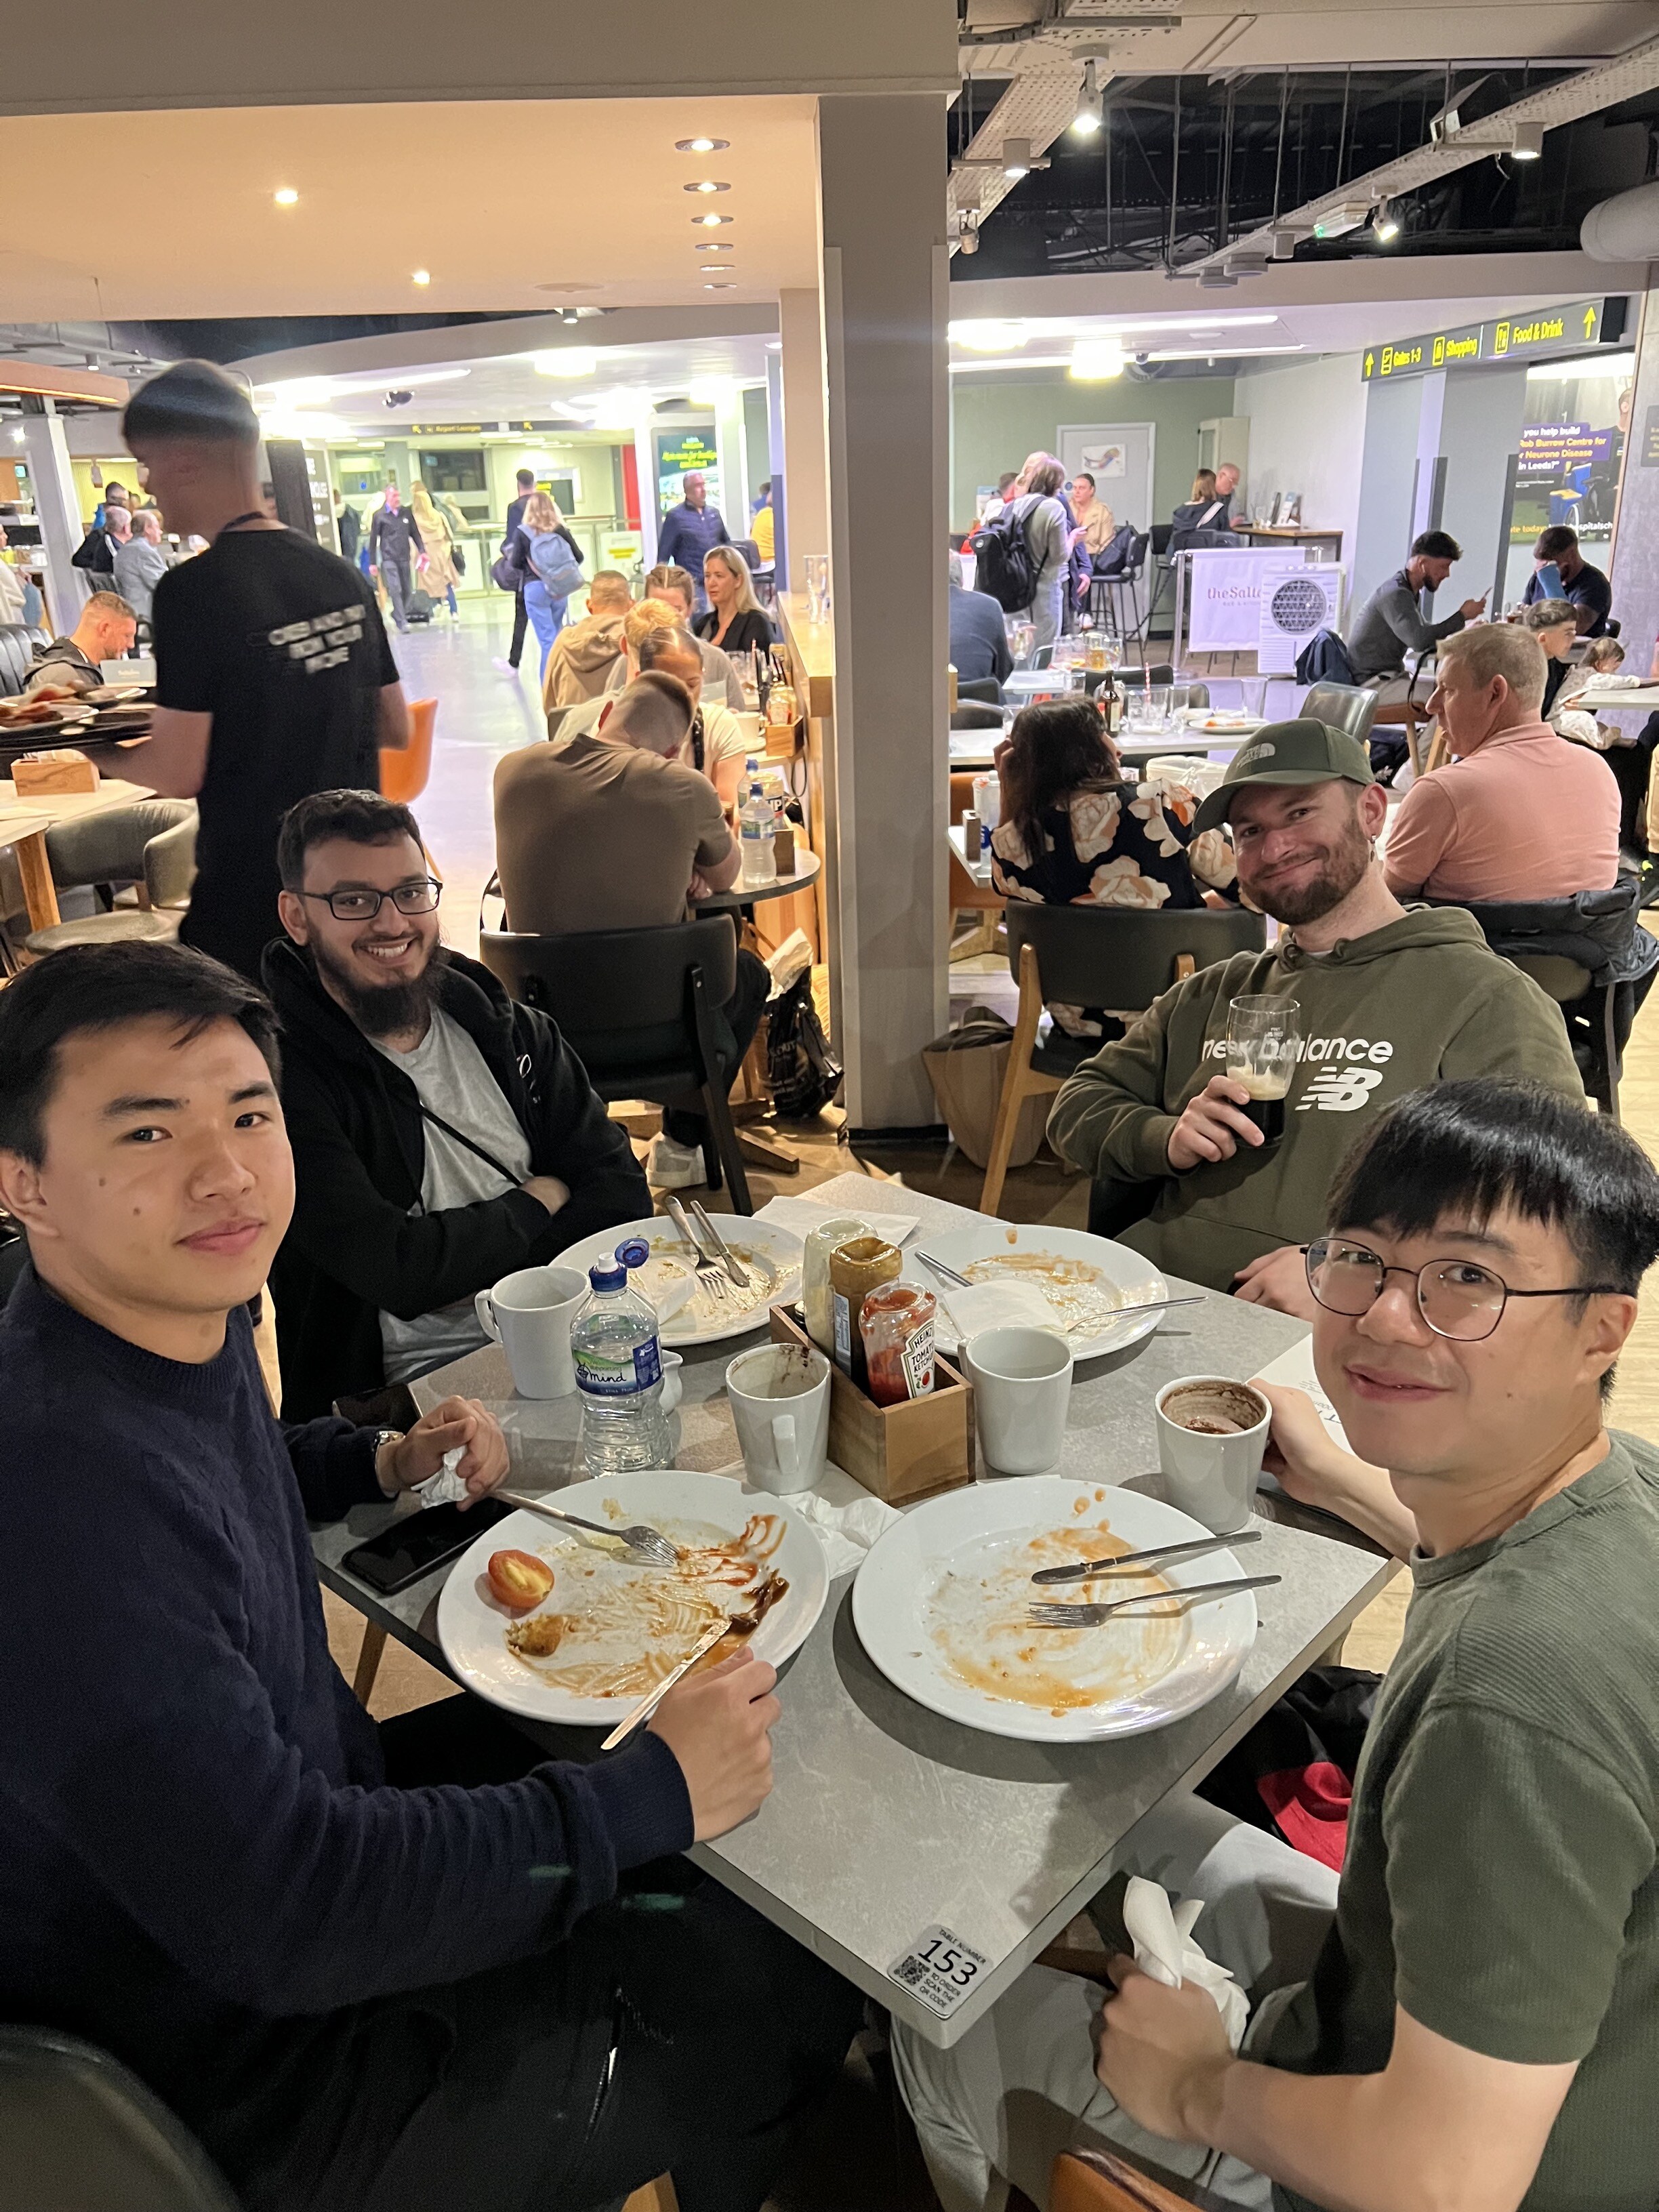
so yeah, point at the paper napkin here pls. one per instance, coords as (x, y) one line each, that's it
(1003, 1304)
(446, 1487)
(846, 1532)
(802, 1215)
(1162, 1937)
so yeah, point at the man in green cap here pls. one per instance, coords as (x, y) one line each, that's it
(1392, 997)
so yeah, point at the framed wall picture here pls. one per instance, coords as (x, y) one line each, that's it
(1119, 457)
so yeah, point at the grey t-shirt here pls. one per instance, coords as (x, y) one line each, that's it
(454, 1079)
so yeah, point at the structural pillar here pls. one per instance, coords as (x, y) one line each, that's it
(775, 459)
(885, 279)
(59, 506)
(645, 464)
(805, 433)
(733, 459)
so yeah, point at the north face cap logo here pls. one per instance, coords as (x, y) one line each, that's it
(1252, 753)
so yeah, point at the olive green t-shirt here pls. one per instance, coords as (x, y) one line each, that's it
(1500, 1881)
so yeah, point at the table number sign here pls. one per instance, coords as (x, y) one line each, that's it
(940, 1969)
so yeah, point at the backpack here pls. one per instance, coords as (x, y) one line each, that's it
(509, 570)
(554, 566)
(1005, 566)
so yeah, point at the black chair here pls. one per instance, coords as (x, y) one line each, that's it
(983, 688)
(78, 2133)
(1574, 949)
(17, 646)
(1091, 956)
(640, 1008)
(972, 715)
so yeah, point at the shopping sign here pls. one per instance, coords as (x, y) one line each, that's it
(1420, 357)
(1531, 334)
(1225, 611)
(1297, 599)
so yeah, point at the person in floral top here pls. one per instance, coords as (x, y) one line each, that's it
(1075, 832)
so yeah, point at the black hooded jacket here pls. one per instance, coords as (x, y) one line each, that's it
(354, 1248)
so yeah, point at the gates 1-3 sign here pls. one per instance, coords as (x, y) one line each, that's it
(1420, 357)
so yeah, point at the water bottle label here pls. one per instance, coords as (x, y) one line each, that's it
(619, 1378)
(843, 1323)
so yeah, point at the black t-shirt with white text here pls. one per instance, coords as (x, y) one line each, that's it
(281, 642)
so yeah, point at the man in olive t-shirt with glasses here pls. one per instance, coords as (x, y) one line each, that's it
(1469, 2021)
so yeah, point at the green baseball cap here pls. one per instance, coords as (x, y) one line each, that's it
(1304, 751)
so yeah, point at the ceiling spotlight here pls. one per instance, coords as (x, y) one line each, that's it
(420, 277)
(719, 288)
(706, 185)
(1337, 221)
(711, 221)
(1385, 224)
(716, 245)
(1087, 120)
(1529, 142)
(570, 314)
(1016, 157)
(700, 145)
(1215, 280)
(398, 398)
(285, 196)
(968, 235)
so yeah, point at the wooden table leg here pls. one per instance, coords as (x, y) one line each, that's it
(369, 1662)
(39, 892)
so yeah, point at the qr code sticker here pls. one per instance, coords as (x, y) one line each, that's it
(939, 1969)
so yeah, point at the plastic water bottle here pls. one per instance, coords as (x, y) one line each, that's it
(756, 823)
(618, 1363)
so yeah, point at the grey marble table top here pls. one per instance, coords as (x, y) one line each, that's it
(886, 1820)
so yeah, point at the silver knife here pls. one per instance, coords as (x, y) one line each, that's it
(676, 1214)
(734, 1266)
(1195, 1548)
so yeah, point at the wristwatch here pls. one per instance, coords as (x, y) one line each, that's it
(382, 1438)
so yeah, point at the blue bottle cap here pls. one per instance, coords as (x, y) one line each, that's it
(607, 1279)
(634, 1253)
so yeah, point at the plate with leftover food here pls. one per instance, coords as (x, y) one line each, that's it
(1083, 1279)
(33, 718)
(564, 1627)
(769, 1255)
(942, 1605)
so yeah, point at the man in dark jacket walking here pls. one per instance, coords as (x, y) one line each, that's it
(443, 1136)
(396, 551)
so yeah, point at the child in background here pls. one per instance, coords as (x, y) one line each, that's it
(1600, 666)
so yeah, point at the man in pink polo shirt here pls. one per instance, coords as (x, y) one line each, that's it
(1520, 813)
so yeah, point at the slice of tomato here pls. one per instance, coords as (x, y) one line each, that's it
(519, 1579)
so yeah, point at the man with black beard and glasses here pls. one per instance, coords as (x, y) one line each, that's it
(1393, 997)
(443, 1135)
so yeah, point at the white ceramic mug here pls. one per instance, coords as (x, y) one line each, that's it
(529, 1314)
(1211, 1473)
(780, 1400)
(1022, 1380)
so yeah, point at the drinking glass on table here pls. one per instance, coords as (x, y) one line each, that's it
(1155, 715)
(1264, 1040)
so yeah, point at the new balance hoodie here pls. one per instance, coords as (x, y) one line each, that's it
(1417, 1002)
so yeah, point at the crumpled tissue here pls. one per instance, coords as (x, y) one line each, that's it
(1162, 1936)
(848, 1531)
(446, 1487)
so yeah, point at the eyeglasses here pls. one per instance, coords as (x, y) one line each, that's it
(421, 897)
(1458, 1298)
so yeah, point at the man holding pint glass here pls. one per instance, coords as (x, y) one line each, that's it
(1224, 1112)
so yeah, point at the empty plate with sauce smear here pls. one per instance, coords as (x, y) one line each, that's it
(941, 1605)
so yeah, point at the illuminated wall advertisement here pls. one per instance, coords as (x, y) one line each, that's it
(681, 453)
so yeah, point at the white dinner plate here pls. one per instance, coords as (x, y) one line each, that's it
(1122, 1274)
(626, 1629)
(941, 1605)
(773, 1255)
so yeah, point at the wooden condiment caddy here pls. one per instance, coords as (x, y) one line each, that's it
(900, 1452)
(35, 774)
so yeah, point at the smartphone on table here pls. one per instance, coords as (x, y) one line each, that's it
(413, 1546)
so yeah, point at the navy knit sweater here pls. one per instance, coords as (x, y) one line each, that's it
(197, 1844)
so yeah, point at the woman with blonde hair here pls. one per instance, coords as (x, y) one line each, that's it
(734, 620)
(676, 588)
(552, 562)
(438, 578)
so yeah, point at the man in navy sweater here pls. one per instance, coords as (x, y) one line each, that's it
(361, 1986)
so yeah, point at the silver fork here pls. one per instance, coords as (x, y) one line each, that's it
(709, 1272)
(651, 1544)
(1091, 1616)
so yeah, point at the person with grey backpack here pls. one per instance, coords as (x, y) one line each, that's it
(552, 562)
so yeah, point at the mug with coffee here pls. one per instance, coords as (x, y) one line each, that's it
(1212, 1433)
(779, 1397)
(529, 1313)
(1264, 1043)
